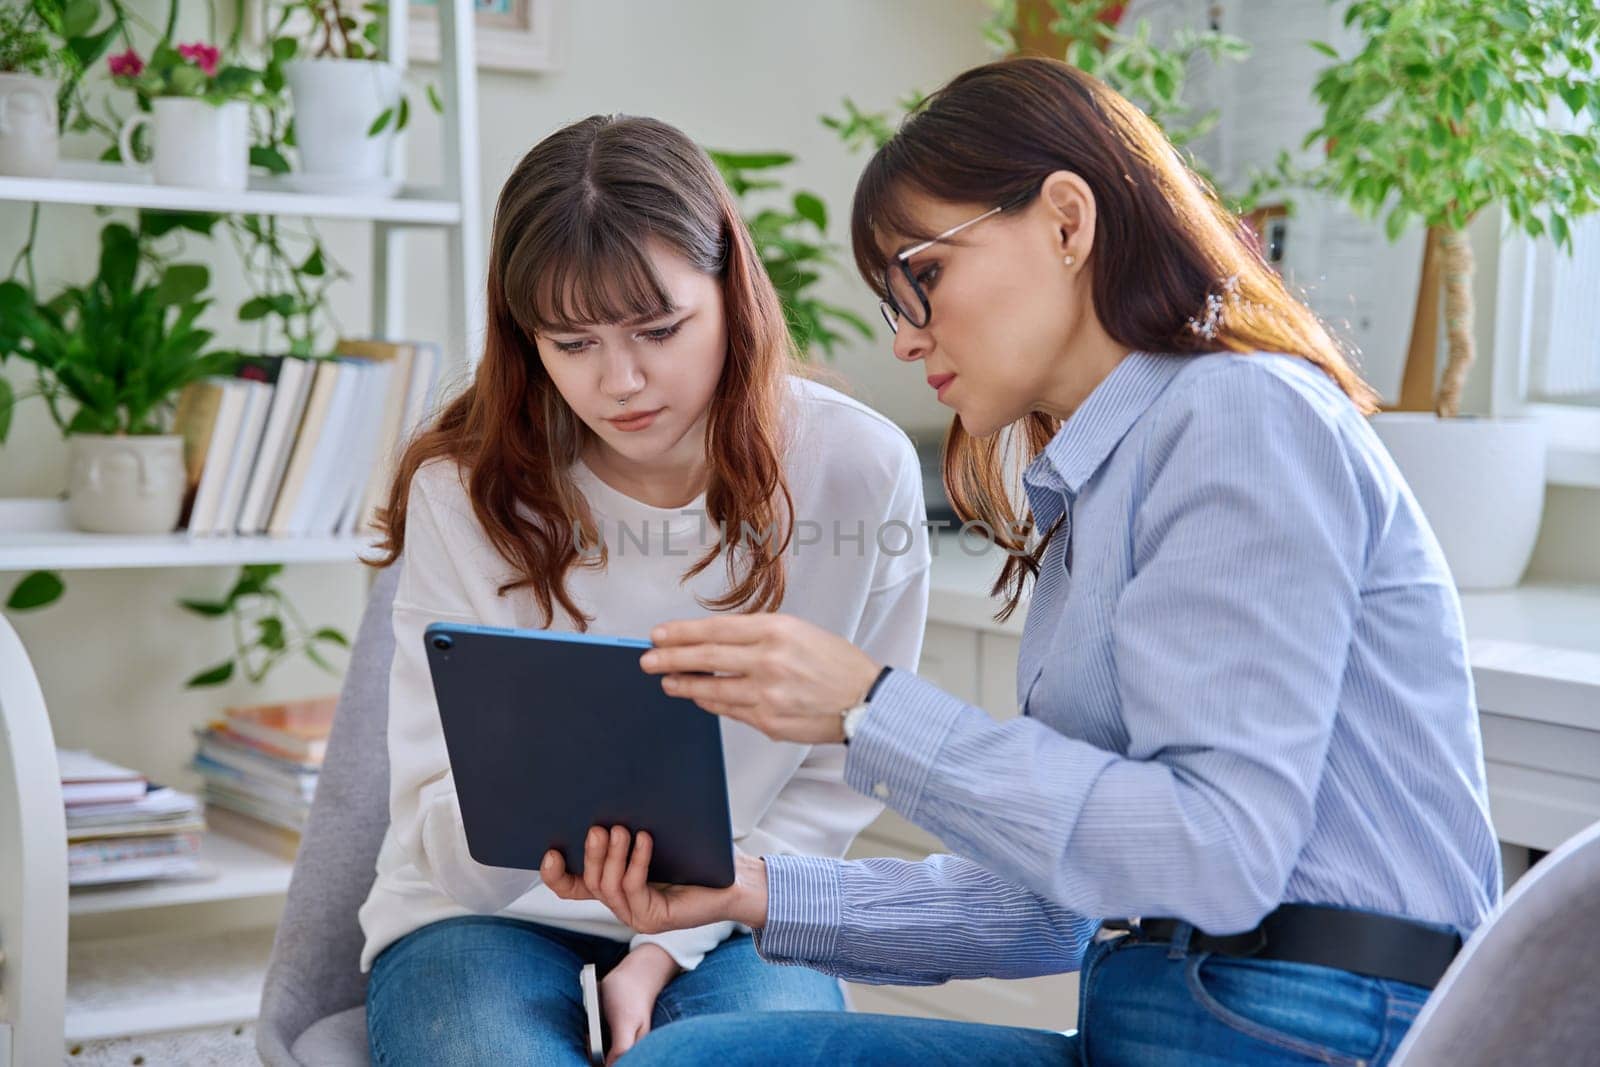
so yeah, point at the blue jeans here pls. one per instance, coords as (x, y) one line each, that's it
(488, 990)
(1142, 1005)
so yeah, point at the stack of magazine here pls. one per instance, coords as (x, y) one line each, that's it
(123, 828)
(261, 765)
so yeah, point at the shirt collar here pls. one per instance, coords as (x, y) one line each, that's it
(1089, 436)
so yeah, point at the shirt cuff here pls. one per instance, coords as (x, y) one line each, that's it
(899, 740)
(803, 910)
(688, 948)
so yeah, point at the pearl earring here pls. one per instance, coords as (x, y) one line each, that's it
(1069, 259)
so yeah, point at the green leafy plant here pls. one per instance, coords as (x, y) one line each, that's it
(1126, 57)
(331, 29)
(36, 590)
(868, 129)
(1099, 42)
(192, 70)
(26, 44)
(291, 272)
(267, 628)
(1451, 106)
(120, 347)
(792, 241)
(56, 38)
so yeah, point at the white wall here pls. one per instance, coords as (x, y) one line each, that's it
(744, 76)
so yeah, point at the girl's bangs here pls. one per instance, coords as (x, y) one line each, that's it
(587, 274)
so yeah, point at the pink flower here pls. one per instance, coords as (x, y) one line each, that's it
(203, 56)
(128, 64)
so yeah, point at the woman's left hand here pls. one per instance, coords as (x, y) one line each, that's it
(616, 873)
(786, 677)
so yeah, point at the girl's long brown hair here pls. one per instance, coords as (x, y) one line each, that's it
(569, 248)
(1163, 244)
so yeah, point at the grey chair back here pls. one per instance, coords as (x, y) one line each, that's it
(315, 968)
(1526, 988)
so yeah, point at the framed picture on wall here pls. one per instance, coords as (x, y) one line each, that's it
(518, 35)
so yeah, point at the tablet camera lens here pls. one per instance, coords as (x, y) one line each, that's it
(443, 643)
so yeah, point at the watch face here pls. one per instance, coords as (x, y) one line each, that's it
(852, 720)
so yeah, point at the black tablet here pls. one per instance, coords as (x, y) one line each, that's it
(552, 733)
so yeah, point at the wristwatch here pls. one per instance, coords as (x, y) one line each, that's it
(850, 718)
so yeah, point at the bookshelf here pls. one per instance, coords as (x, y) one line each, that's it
(100, 981)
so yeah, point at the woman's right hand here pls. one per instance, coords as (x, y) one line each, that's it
(620, 881)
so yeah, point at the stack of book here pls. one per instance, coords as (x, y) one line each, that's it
(260, 766)
(122, 828)
(302, 447)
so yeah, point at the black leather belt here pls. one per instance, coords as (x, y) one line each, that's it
(1379, 946)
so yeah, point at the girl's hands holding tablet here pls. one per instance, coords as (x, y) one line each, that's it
(788, 678)
(620, 881)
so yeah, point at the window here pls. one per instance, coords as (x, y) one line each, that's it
(1564, 319)
(1547, 345)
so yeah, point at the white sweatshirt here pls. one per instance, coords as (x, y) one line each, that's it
(859, 567)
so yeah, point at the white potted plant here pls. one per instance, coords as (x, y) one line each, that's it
(30, 83)
(1447, 110)
(347, 95)
(200, 112)
(111, 357)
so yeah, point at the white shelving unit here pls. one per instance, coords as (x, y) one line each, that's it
(56, 989)
(37, 535)
(113, 185)
(229, 870)
(151, 984)
(73, 551)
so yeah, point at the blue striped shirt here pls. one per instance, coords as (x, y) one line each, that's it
(1244, 683)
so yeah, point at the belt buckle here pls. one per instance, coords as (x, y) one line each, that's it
(1112, 929)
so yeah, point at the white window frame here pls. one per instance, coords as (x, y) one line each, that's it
(1574, 429)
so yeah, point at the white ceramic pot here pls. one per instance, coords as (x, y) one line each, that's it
(198, 145)
(1480, 482)
(29, 143)
(125, 484)
(336, 101)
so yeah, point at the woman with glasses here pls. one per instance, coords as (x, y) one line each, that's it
(1246, 797)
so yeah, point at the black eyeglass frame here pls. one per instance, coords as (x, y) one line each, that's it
(889, 307)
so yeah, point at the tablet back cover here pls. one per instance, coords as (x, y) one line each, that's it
(549, 734)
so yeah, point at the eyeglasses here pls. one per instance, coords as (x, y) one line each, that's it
(904, 296)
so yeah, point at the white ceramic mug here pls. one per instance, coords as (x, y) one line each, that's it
(29, 143)
(200, 145)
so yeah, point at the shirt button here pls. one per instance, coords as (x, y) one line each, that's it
(881, 790)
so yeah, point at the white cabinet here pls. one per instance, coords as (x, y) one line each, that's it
(997, 674)
(950, 660)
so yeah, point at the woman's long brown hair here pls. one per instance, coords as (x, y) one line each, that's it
(568, 249)
(1163, 244)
